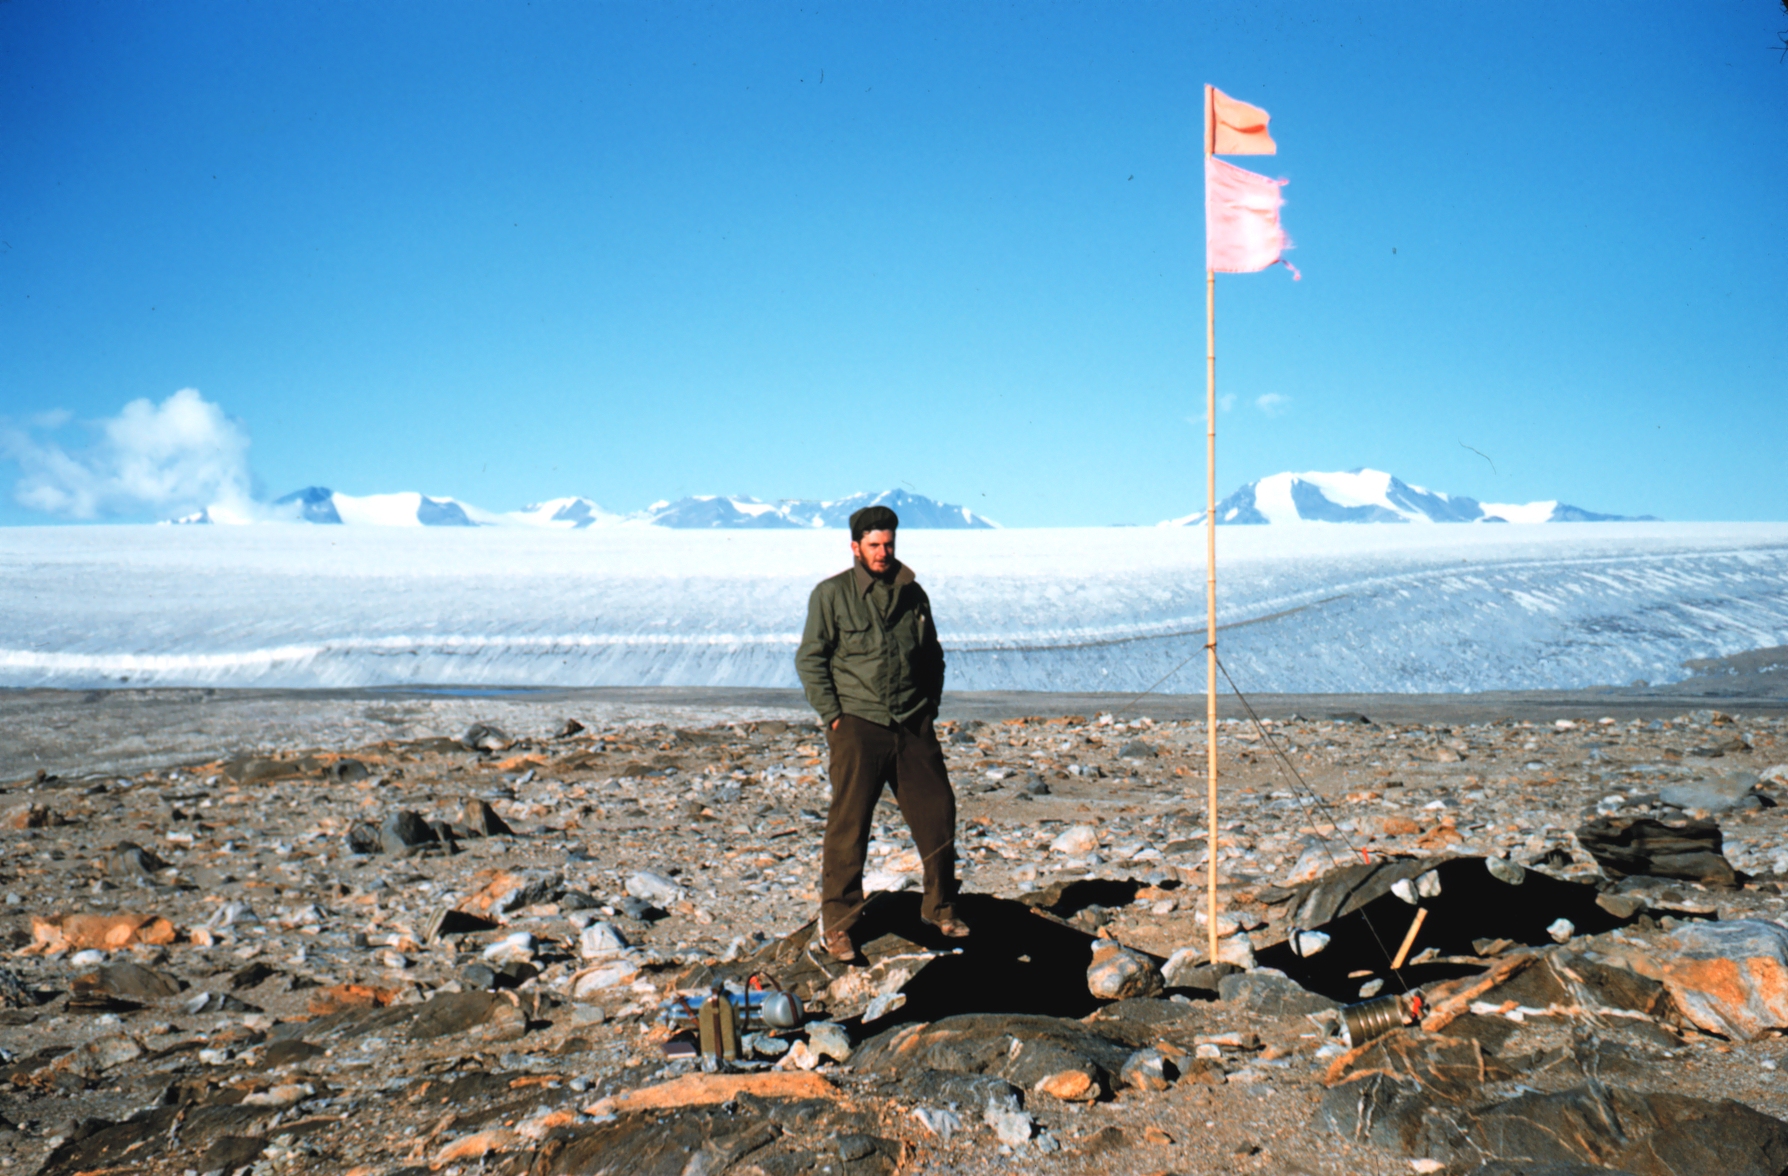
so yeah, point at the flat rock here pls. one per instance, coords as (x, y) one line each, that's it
(1030, 1052)
(1688, 849)
(501, 891)
(1343, 890)
(1402, 1084)
(1645, 1134)
(943, 1087)
(106, 932)
(654, 887)
(260, 770)
(447, 1013)
(711, 1089)
(125, 979)
(706, 1140)
(1730, 978)
(1271, 995)
(1185, 969)
(1716, 795)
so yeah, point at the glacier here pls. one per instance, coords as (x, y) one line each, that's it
(1312, 608)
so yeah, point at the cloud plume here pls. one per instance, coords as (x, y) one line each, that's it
(180, 455)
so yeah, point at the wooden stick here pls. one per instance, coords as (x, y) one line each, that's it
(1447, 1010)
(1409, 939)
(1210, 559)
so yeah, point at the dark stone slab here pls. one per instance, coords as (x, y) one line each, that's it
(1688, 849)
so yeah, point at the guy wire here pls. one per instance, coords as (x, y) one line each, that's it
(1292, 768)
(1170, 673)
(1327, 811)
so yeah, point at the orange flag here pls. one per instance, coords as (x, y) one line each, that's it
(1240, 129)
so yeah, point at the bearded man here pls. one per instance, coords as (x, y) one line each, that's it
(872, 667)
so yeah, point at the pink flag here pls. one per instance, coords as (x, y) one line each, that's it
(1242, 233)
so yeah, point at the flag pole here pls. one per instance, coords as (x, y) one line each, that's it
(1210, 554)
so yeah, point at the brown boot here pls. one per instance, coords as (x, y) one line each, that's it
(838, 945)
(949, 926)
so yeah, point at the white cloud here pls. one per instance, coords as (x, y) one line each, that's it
(1226, 401)
(1273, 404)
(180, 455)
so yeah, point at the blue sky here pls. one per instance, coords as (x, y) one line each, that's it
(509, 251)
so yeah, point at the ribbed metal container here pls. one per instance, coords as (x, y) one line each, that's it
(1362, 1022)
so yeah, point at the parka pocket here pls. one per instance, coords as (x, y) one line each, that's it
(857, 642)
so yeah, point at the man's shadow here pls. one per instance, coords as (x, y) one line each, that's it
(1019, 958)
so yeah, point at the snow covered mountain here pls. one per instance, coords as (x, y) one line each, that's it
(319, 504)
(915, 510)
(1373, 496)
(563, 513)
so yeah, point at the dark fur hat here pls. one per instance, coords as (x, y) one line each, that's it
(872, 518)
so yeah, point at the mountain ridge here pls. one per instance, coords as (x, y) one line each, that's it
(1361, 495)
(323, 506)
(1364, 495)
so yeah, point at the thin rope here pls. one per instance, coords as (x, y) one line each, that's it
(1170, 673)
(1292, 768)
(1317, 827)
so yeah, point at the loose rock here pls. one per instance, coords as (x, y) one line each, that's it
(1689, 849)
(1118, 974)
(404, 833)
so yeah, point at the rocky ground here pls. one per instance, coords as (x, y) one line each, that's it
(455, 951)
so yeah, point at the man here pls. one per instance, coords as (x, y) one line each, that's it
(872, 667)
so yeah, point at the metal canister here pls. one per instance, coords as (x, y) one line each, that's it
(780, 1010)
(1362, 1022)
(717, 1028)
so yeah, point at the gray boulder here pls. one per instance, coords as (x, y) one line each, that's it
(404, 833)
(1271, 994)
(1716, 795)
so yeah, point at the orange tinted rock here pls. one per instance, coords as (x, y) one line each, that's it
(1441, 836)
(472, 1147)
(699, 1090)
(537, 1128)
(1730, 978)
(505, 890)
(342, 997)
(32, 816)
(1399, 827)
(107, 932)
(1070, 1086)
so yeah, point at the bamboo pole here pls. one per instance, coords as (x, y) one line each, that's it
(1409, 939)
(1210, 557)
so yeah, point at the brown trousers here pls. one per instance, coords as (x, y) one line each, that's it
(908, 759)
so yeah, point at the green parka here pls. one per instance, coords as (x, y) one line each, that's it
(870, 648)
